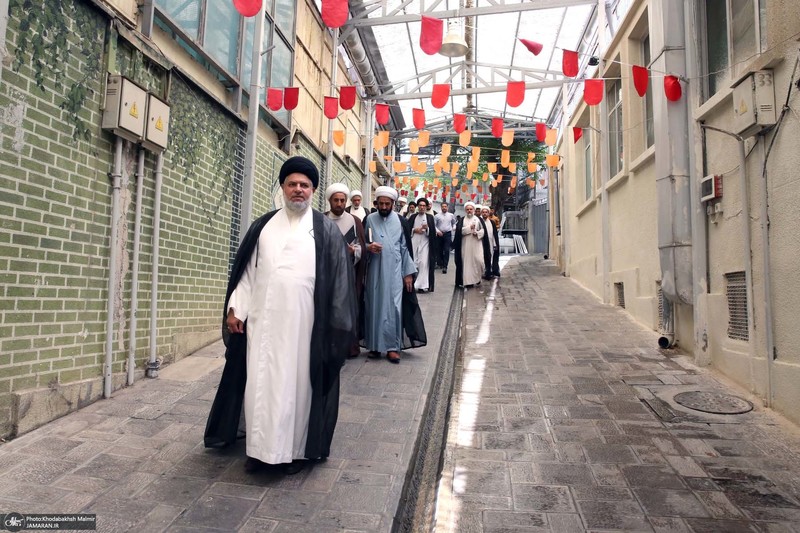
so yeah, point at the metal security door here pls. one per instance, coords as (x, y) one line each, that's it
(540, 231)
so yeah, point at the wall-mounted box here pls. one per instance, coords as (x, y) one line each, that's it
(126, 108)
(157, 128)
(710, 188)
(754, 103)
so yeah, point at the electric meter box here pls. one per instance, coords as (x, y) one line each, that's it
(126, 108)
(157, 128)
(754, 103)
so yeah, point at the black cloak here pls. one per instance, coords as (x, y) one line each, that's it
(493, 269)
(457, 249)
(432, 245)
(332, 336)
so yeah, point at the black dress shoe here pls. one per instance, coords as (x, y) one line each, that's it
(252, 465)
(374, 355)
(295, 467)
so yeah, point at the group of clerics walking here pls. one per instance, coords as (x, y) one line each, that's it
(308, 290)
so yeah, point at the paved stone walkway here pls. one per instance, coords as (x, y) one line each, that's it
(138, 461)
(563, 420)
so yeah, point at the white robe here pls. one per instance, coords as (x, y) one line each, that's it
(359, 212)
(472, 250)
(419, 243)
(276, 295)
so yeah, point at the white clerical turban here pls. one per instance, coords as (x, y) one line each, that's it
(388, 192)
(466, 205)
(336, 187)
(355, 193)
(478, 207)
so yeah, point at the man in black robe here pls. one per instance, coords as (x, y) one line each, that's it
(330, 334)
(493, 265)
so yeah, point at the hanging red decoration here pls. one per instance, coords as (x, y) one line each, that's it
(440, 95)
(331, 107)
(541, 131)
(274, 98)
(640, 79)
(290, 97)
(593, 91)
(497, 127)
(577, 133)
(247, 8)
(430, 35)
(382, 114)
(569, 63)
(347, 97)
(515, 93)
(459, 122)
(334, 13)
(419, 118)
(672, 88)
(532, 46)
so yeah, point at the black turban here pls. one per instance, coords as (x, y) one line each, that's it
(303, 166)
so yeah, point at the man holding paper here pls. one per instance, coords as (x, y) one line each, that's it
(353, 233)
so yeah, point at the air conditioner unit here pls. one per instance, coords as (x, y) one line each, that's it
(754, 103)
(126, 108)
(710, 188)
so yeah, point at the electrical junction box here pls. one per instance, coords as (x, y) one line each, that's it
(157, 128)
(754, 103)
(710, 188)
(126, 108)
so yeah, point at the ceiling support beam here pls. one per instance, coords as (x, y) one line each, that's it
(500, 6)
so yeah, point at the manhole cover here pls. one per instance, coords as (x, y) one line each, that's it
(713, 402)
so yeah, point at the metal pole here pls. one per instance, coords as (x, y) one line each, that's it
(137, 230)
(116, 181)
(366, 182)
(251, 143)
(331, 92)
(152, 364)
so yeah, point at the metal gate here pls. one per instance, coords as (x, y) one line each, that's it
(539, 219)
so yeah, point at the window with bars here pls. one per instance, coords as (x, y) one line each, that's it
(736, 295)
(619, 290)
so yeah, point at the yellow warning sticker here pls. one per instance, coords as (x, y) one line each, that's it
(134, 112)
(159, 124)
(742, 107)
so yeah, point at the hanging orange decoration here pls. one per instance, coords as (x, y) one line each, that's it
(464, 188)
(550, 137)
(532, 167)
(492, 167)
(454, 168)
(338, 137)
(552, 160)
(437, 168)
(531, 155)
(508, 137)
(397, 182)
(454, 182)
(399, 166)
(424, 138)
(446, 150)
(373, 166)
(480, 189)
(476, 153)
(413, 146)
(513, 182)
(383, 135)
(445, 166)
(414, 162)
(405, 180)
(422, 168)
(464, 138)
(414, 182)
(485, 176)
(505, 157)
(474, 183)
(512, 167)
(530, 182)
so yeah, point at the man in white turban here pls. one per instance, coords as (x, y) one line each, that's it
(353, 233)
(393, 321)
(355, 208)
(471, 247)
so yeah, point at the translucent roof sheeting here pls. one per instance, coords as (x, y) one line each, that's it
(498, 56)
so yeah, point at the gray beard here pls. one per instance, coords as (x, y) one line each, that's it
(297, 207)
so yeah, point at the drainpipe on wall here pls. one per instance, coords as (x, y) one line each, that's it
(153, 364)
(366, 181)
(137, 230)
(251, 142)
(605, 177)
(331, 92)
(673, 181)
(764, 216)
(699, 218)
(116, 181)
